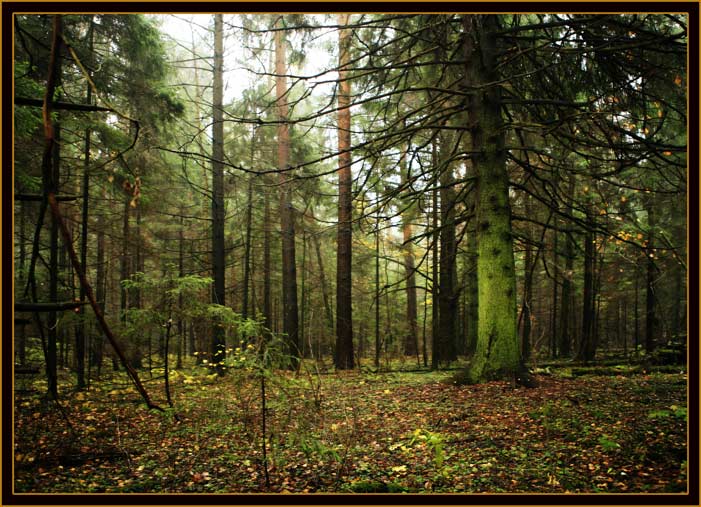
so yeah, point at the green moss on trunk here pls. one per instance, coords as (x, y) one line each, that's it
(497, 354)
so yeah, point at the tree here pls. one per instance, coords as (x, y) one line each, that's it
(290, 315)
(497, 352)
(218, 261)
(344, 310)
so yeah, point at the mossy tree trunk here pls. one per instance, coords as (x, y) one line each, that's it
(497, 351)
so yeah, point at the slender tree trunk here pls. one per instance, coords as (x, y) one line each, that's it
(447, 298)
(324, 287)
(100, 280)
(124, 261)
(378, 342)
(497, 354)
(587, 337)
(411, 337)
(80, 329)
(181, 273)
(565, 338)
(302, 329)
(344, 308)
(51, 183)
(22, 342)
(435, 294)
(218, 260)
(290, 314)
(247, 251)
(650, 302)
(527, 294)
(267, 240)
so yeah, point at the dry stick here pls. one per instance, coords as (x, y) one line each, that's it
(53, 203)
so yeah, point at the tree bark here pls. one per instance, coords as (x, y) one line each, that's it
(411, 337)
(565, 328)
(218, 261)
(290, 315)
(344, 309)
(650, 274)
(435, 341)
(585, 352)
(80, 328)
(497, 353)
(447, 297)
(378, 341)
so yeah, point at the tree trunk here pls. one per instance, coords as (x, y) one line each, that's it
(218, 261)
(497, 353)
(447, 297)
(435, 341)
(587, 338)
(411, 337)
(267, 240)
(564, 334)
(290, 316)
(100, 292)
(50, 181)
(322, 280)
(247, 251)
(80, 328)
(527, 294)
(471, 301)
(650, 303)
(378, 342)
(344, 309)
(181, 273)
(124, 262)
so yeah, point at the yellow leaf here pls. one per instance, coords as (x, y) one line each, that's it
(678, 80)
(667, 153)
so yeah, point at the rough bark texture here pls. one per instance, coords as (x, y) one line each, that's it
(290, 314)
(497, 352)
(471, 302)
(344, 311)
(218, 264)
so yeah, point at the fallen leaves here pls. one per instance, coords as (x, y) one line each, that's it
(408, 432)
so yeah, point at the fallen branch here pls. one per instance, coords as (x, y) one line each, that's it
(68, 242)
(64, 106)
(48, 307)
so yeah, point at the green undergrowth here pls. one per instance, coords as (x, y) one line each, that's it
(350, 432)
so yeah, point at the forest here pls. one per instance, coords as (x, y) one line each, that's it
(350, 253)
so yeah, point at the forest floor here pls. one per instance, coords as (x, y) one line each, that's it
(351, 432)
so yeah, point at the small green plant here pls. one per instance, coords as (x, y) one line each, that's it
(674, 411)
(607, 444)
(433, 441)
